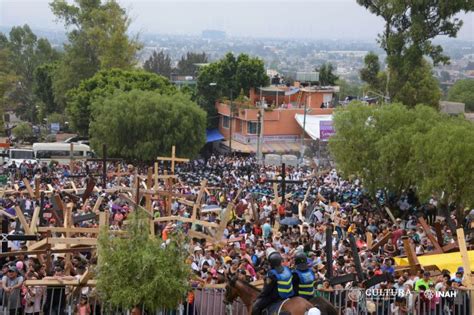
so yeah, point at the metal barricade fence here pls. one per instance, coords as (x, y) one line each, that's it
(60, 300)
(57, 300)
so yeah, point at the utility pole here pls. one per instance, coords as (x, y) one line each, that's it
(304, 130)
(231, 116)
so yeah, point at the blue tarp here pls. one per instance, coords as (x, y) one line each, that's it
(213, 135)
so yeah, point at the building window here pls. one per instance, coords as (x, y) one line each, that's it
(252, 127)
(225, 122)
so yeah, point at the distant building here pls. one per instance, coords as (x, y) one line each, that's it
(213, 35)
(283, 107)
(452, 108)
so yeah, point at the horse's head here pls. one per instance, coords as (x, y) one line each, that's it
(230, 291)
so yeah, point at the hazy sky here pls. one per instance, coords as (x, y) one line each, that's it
(339, 19)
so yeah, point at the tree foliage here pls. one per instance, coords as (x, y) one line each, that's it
(463, 91)
(25, 52)
(348, 89)
(159, 63)
(97, 39)
(187, 64)
(141, 270)
(407, 38)
(22, 131)
(326, 75)
(394, 147)
(43, 89)
(145, 124)
(370, 72)
(227, 78)
(105, 83)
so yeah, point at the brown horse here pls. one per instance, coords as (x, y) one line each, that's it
(248, 294)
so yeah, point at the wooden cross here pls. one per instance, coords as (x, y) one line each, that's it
(104, 159)
(5, 237)
(283, 181)
(173, 159)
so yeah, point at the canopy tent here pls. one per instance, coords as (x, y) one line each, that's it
(213, 135)
(312, 123)
(449, 261)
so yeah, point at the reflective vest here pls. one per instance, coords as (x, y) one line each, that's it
(284, 281)
(307, 280)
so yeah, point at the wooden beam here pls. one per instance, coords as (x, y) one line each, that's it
(430, 236)
(382, 242)
(465, 258)
(72, 241)
(37, 186)
(186, 220)
(38, 245)
(369, 236)
(390, 214)
(57, 282)
(200, 235)
(197, 204)
(22, 219)
(411, 255)
(28, 187)
(35, 219)
(43, 251)
(8, 215)
(97, 204)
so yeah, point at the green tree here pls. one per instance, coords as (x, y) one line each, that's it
(419, 87)
(463, 91)
(97, 39)
(43, 88)
(371, 72)
(26, 53)
(393, 147)
(141, 270)
(445, 163)
(348, 89)
(8, 78)
(406, 39)
(22, 131)
(187, 64)
(326, 75)
(105, 83)
(226, 78)
(159, 63)
(141, 125)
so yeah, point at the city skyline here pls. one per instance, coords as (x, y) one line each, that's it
(316, 19)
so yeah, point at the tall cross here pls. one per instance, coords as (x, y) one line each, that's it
(104, 159)
(283, 181)
(173, 159)
(5, 237)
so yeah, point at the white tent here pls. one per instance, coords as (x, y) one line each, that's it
(312, 123)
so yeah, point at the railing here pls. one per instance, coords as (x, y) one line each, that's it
(267, 139)
(61, 300)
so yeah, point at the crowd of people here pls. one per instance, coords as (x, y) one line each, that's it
(256, 227)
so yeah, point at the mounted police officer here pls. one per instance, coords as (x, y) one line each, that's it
(303, 277)
(278, 284)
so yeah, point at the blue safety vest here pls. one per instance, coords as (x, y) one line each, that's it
(307, 280)
(284, 281)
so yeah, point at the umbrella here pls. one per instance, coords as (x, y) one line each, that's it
(290, 221)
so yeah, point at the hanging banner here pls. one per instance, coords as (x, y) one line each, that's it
(326, 130)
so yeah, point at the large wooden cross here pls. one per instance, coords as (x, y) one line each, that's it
(283, 181)
(104, 159)
(173, 159)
